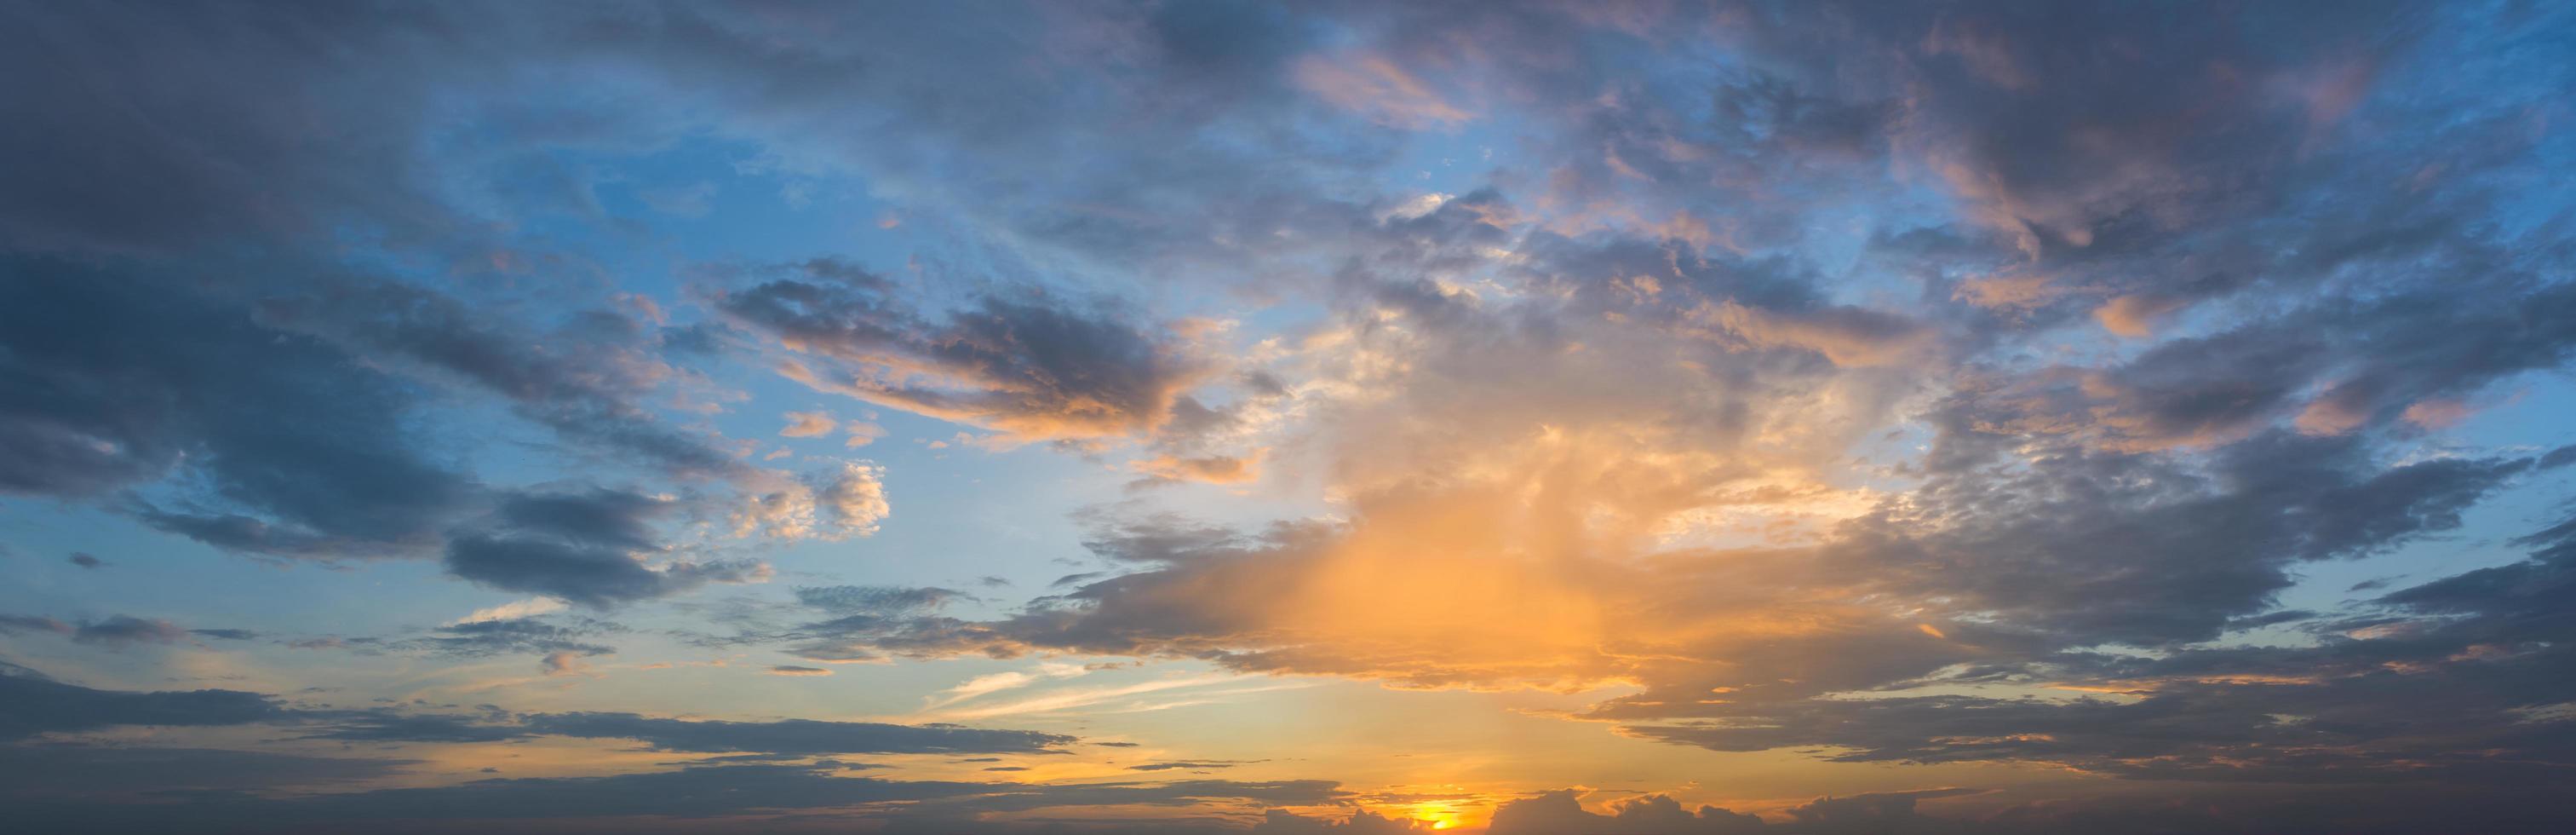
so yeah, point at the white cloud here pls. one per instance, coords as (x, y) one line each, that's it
(513, 610)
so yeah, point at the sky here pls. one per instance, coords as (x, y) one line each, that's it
(1806, 418)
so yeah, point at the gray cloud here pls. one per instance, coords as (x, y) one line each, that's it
(585, 548)
(683, 800)
(88, 415)
(115, 631)
(514, 637)
(39, 774)
(1033, 368)
(40, 705)
(792, 736)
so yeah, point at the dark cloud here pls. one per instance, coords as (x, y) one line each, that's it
(792, 736)
(395, 726)
(1363, 822)
(588, 576)
(682, 800)
(587, 548)
(883, 601)
(608, 517)
(32, 623)
(512, 637)
(1185, 765)
(38, 705)
(244, 78)
(117, 631)
(581, 379)
(685, 793)
(2143, 550)
(1560, 811)
(85, 560)
(88, 415)
(42, 773)
(2333, 368)
(1032, 368)
(2450, 682)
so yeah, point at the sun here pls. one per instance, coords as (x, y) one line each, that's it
(1440, 817)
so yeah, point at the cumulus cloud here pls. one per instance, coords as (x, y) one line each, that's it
(1560, 811)
(808, 425)
(833, 504)
(560, 663)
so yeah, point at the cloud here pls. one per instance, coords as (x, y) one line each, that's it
(34, 773)
(2255, 511)
(1560, 811)
(835, 504)
(1184, 765)
(608, 517)
(1378, 89)
(1849, 336)
(587, 549)
(793, 670)
(582, 379)
(383, 725)
(483, 638)
(513, 610)
(584, 575)
(127, 630)
(1033, 369)
(681, 800)
(1214, 469)
(1832, 376)
(1363, 822)
(793, 736)
(561, 662)
(876, 600)
(990, 683)
(2408, 694)
(808, 425)
(80, 423)
(39, 705)
(789, 738)
(115, 632)
(20, 623)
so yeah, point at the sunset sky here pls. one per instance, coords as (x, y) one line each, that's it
(1801, 418)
